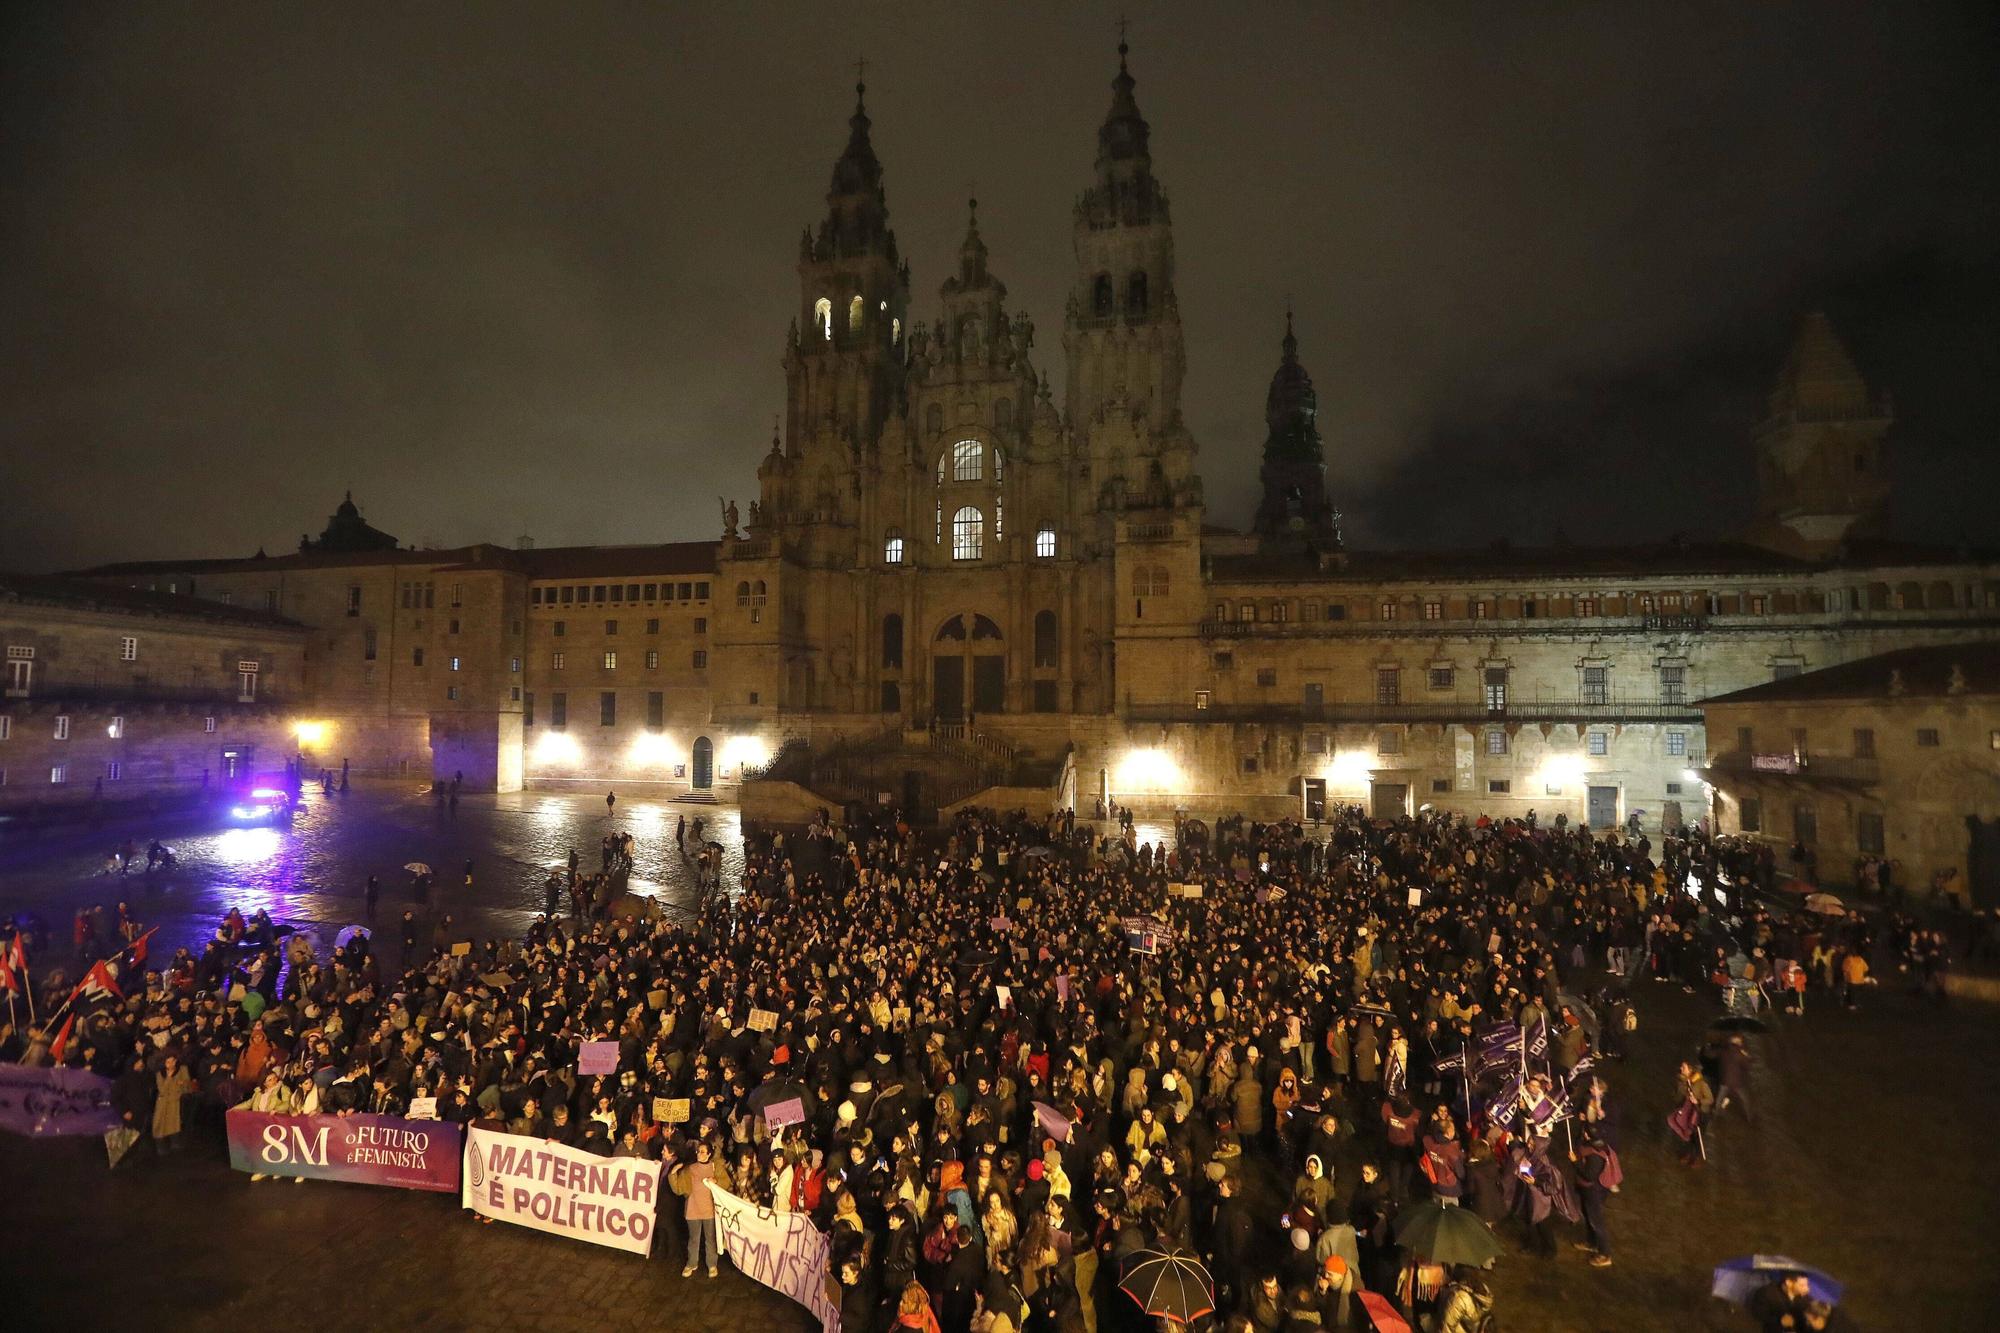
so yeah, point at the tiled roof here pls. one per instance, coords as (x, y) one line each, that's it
(1921, 673)
(52, 590)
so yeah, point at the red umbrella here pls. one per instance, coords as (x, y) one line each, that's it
(1384, 1315)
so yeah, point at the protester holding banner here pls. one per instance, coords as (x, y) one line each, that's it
(881, 1041)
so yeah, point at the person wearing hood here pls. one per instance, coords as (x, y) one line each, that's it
(1314, 1187)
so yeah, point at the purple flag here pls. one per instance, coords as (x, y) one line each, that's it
(1501, 1107)
(1685, 1120)
(1535, 1042)
(1052, 1122)
(1062, 987)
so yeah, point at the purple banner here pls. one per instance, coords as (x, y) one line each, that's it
(364, 1149)
(55, 1101)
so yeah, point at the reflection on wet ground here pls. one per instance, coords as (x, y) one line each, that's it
(313, 872)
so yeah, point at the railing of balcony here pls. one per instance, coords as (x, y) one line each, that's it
(1559, 710)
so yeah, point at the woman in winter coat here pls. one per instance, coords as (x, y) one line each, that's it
(171, 1087)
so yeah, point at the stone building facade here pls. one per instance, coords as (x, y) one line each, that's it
(111, 693)
(1895, 756)
(954, 574)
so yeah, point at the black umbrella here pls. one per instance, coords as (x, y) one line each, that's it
(1172, 1285)
(1447, 1236)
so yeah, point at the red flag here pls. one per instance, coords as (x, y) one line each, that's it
(62, 1040)
(20, 953)
(138, 949)
(99, 981)
(7, 986)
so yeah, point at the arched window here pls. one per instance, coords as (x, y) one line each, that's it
(757, 593)
(1047, 638)
(999, 461)
(1100, 296)
(1045, 544)
(892, 641)
(1135, 294)
(892, 547)
(892, 697)
(823, 316)
(968, 534)
(1003, 414)
(896, 332)
(743, 594)
(968, 461)
(934, 419)
(855, 310)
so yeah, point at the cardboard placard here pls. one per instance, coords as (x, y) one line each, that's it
(1024, 904)
(461, 949)
(656, 999)
(1006, 994)
(597, 1057)
(1416, 897)
(673, 1110)
(763, 1020)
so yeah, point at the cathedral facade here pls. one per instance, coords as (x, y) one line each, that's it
(957, 580)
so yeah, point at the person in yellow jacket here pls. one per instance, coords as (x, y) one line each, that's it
(1853, 976)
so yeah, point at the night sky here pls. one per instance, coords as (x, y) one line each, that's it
(513, 270)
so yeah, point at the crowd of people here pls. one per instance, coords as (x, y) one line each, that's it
(1027, 1052)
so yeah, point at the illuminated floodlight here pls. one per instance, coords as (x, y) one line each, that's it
(739, 751)
(557, 747)
(649, 749)
(1150, 770)
(309, 733)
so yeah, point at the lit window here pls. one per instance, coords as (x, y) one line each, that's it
(208, 724)
(62, 728)
(1586, 606)
(1597, 685)
(455, 663)
(113, 770)
(58, 773)
(611, 661)
(1045, 544)
(1386, 611)
(968, 534)
(117, 729)
(1433, 610)
(1677, 742)
(128, 650)
(1599, 742)
(823, 316)
(555, 661)
(892, 549)
(968, 461)
(652, 659)
(1201, 698)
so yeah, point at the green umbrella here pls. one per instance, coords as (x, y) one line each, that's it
(1447, 1236)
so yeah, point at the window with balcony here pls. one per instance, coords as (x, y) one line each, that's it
(1388, 685)
(1496, 689)
(1597, 685)
(1443, 678)
(1673, 685)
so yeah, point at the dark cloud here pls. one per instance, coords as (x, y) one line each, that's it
(510, 270)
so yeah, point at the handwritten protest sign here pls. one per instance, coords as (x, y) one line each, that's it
(784, 1251)
(597, 1057)
(791, 1111)
(673, 1110)
(763, 1020)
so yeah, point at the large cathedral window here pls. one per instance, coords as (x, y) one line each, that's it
(1045, 544)
(854, 313)
(823, 316)
(968, 461)
(1100, 296)
(892, 548)
(968, 534)
(1135, 295)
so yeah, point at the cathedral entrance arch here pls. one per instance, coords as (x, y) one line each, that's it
(968, 668)
(704, 764)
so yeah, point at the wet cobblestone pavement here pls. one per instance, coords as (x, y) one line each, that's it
(1869, 1154)
(313, 873)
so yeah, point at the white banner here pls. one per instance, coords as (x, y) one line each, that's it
(784, 1251)
(535, 1183)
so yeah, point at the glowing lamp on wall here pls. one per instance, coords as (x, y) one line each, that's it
(309, 733)
(650, 749)
(740, 750)
(1561, 770)
(1151, 770)
(557, 748)
(1350, 769)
